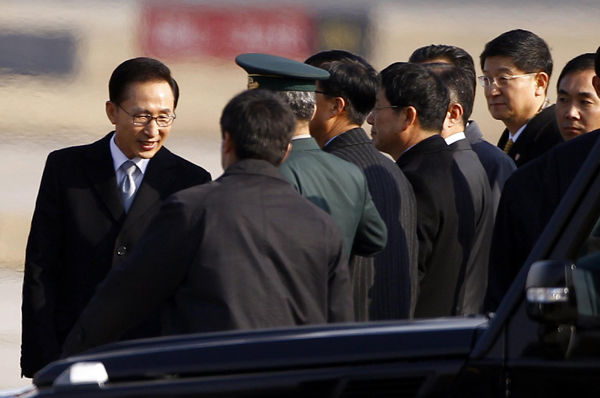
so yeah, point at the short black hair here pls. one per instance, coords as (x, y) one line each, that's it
(458, 84)
(452, 54)
(260, 125)
(406, 84)
(598, 62)
(139, 70)
(580, 63)
(302, 103)
(352, 78)
(529, 52)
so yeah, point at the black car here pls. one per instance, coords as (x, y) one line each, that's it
(543, 341)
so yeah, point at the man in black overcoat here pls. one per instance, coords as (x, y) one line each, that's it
(82, 227)
(498, 165)
(244, 252)
(535, 190)
(387, 283)
(461, 92)
(406, 122)
(517, 66)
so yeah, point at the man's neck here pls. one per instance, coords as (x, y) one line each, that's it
(337, 129)
(301, 128)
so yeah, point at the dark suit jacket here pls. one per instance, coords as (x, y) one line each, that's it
(498, 165)
(387, 283)
(445, 225)
(530, 197)
(339, 188)
(539, 136)
(244, 252)
(477, 267)
(79, 231)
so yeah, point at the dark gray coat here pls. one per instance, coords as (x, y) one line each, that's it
(244, 252)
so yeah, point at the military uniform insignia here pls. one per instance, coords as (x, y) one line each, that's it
(252, 85)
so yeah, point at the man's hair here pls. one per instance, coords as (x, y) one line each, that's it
(451, 54)
(528, 51)
(407, 84)
(458, 84)
(598, 62)
(302, 103)
(260, 125)
(139, 70)
(578, 64)
(352, 78)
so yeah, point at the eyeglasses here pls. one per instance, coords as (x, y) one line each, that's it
(384, 107)
(144, 120)
(324, 93)
(500, 81)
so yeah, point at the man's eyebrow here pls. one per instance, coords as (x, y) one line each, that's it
(147, 112)
(499, 70)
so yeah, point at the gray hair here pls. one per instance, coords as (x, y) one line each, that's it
(302, 103)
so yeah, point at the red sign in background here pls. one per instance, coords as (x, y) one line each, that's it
(192, 32)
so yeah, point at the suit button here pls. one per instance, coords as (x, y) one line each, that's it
(121, 251)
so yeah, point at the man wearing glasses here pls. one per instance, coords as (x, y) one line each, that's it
(94, 203)
(406, 123)
(344, 101)
(516, 70)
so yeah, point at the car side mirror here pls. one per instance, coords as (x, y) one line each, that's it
(550, 292)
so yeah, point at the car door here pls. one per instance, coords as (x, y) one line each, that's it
(522, 357)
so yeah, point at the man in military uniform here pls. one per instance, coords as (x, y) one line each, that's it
(336, 186)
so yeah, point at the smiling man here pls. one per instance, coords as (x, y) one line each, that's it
(94, 203)
(517, 66)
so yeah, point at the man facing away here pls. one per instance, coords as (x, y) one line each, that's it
(498, 165)
(244, 252)
(387, 282)
(94, 203)
(460, 90)
(336, 186)
(517, 66)
(534, 191)
(407, 121)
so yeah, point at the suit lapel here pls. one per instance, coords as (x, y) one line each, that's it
(157, 179)
(100, 170)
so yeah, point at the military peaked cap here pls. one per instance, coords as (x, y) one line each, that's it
(279, 74)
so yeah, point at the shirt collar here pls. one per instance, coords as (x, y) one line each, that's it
(119, 157)
(455, 137)
(516, 135)
(301, 136)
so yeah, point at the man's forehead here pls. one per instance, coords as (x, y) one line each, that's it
(497, 64)
(580, 80)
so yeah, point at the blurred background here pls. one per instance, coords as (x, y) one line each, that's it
(56, 57)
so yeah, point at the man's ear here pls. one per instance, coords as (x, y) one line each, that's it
(454, 115)
(287, 152)
(338, 105)
(411, 117)
(596, 83)
(111, 112)
(541, 81)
